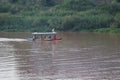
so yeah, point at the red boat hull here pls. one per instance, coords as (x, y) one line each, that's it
(53, 40)
(38, 40)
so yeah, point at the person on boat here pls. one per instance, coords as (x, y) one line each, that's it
(35, 37)
(54, 36)
(50, 38)
(45, 37)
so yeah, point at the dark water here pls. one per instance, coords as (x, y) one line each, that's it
(79, 56)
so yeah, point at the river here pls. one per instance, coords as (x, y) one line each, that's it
(79, 56)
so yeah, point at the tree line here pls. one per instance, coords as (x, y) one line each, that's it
(63, 15)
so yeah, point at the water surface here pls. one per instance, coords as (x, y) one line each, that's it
(79, 56)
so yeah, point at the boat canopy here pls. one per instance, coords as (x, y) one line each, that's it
(43, 33)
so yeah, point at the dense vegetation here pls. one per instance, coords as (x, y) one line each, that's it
(63, 15)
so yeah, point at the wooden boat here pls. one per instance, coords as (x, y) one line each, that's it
(45, 36)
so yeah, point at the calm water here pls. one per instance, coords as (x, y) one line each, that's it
(79, 56)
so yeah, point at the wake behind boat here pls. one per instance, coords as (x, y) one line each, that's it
(45, 36)
(12, 40)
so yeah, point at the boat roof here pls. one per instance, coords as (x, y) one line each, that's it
(43, 33)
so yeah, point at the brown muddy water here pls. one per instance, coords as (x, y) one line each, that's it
(79, 56)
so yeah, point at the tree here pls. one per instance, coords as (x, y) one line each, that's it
(77, 5)
(13, 1)
(47, 2)
(118, 1)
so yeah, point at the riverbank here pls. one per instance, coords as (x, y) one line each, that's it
(102, 30)
(108, 30)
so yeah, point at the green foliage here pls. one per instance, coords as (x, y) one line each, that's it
(76, 5)
(116, 22)
(4, 7)
(116, 1)
(13, 1)
(47, 2)
(87, 21)
(110, 8)
(70, 22)
(64, 15)
(56, 23)
(108, 30)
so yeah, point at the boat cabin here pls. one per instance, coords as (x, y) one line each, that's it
(45, 36)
